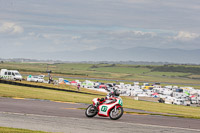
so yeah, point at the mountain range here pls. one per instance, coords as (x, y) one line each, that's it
(112, 54)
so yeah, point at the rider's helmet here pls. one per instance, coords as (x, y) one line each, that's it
(116, 93)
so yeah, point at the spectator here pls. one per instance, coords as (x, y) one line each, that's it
(78, 87)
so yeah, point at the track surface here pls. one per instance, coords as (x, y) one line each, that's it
(66, 117)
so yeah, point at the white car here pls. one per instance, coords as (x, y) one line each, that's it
(35, 78)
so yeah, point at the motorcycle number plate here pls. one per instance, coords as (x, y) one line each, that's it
(104, 108)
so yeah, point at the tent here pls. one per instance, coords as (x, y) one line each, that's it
(192, 96)
(62, 82)
(187, 93)
(66, 81)
(90, 84)
(155, 93)
(83, 83)
(103, 86)
(74, 82)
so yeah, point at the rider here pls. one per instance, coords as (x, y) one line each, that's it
(110, 97)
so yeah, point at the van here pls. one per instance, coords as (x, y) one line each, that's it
(178, 101)
(10, 74)
(39, 78)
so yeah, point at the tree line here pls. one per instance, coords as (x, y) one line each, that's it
(183, 69)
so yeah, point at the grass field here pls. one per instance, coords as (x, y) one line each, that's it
(141, 73)
(17, 130)
(54, 95)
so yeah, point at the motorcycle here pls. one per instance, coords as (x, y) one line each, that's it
(109, 108)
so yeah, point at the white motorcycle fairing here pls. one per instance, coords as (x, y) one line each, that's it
(104, 109)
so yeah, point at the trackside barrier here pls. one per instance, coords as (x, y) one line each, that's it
(43, 87)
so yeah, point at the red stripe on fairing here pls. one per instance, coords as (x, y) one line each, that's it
(103, 115)
(108, 103)
(109, 110)
(119, 106)
(112, 108)
(93, 103)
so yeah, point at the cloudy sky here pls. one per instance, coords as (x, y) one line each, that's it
(78, 25)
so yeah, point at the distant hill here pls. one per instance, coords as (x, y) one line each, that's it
(111, 54)
(132, 54)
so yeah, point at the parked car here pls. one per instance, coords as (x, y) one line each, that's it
(35, 78)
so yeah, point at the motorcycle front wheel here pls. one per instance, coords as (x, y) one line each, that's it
(116, 114)
(91, 111)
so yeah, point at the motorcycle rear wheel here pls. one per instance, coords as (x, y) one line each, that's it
(91, 111)
(116, 115)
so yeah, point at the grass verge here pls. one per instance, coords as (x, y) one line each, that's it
(39, 93)
(18, 130)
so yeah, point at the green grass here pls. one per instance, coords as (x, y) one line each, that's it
(127, 70)
(168, 74)
(63, 86)
(141, 73)
(18, 130)
(39, 93)
(184, 111)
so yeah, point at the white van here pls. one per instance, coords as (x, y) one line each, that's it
(39, 78)
(10, 74)
(178, 101)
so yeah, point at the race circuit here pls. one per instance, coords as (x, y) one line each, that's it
(56, 116)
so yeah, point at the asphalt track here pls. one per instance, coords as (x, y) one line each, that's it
(68, 117)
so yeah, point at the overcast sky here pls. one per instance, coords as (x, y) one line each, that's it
(78, 25)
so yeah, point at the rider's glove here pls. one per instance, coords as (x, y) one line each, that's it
(102, 99)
